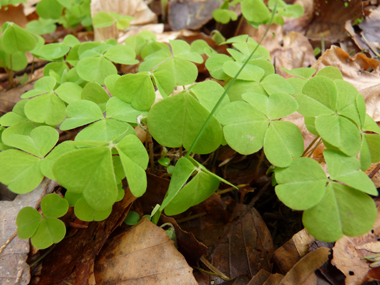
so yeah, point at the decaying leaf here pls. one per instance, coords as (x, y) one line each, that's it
(13, 267)
(348, 254)
(13, 14)
(370, 31)
(360, 71)
(143, 255)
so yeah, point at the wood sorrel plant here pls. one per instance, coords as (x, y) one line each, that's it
(199, 119)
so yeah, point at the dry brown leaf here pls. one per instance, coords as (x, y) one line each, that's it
(299, 24)
(354, 70)
(260, 277)
(13, 14)
(135, 8)
(13, 266)
(370, 30)
(143, 255)
(191, 14)
(274, 279)
(348, 254)
(303, 271)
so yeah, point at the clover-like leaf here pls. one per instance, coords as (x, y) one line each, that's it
(95, 69)
(136, 89)
(373, 144)
(53, 206)
(302, 184)
(89, 171)
(28, 220)
(176, 121)
(276, 106)
(43, 85)
(86, 213)
(275, 83)
(244, 127)
(339, 132)
(16, 61)
(330, 72)
(81, 113)
(303, 72)
(15, 39)
(215, 63)
(19, 171)
(122, 111)
(255, 11)
(342, 210)
(40, 141)
(134, 159)
(121, 54)
(283, 142)
(182, 49)
(346, 169)
(346, 104)
(184, 72)
(50, 231)
(51, 51)
(249, 73)
(95, 93)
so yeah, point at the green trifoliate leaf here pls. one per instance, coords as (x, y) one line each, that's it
(320, 97)
(47, 108)
(122, 24)
(95, 93)
(52, 51)
(339, 132)
(202, 186)
(155, 59)
(274, 83)
(165, 84)
(16, 61)
(70, 41)
(102, 19)
(15, 39)
(105, 131)
(183, 71)
(181, 49)
(40, 141)
(121, 54)
(176, 121)
(249, 73)
(346, 169)
(264, 64)
(373, 144)
(370, 125)
(292, 11)
(135, 160)
(297, 84)
(23, 128)
(365, 154)
(95, 69)
(69, 92)
(72, 198)
(330, 72)
(283, 142)
(50, 231)
(28, 220)
(43, 85)
(136, 89)
(361, 108)
(89, 171)
(182, 172)
(208, 93)
(110, 82)
(276, 106)
(81, 113)
(86, 213)
(214, 65)
(303, 72)
(310, 125)
(53, 206)
(152, 48)
(58, 67)
(16, 116)
(346, 104)
(240, 87)
(46, 165)
(255, 11)
(302, 184)
(122, 111)
(19, 171)
(49, 9)
(199, 46)
(243, 127)
(342, 210)
(41, 26)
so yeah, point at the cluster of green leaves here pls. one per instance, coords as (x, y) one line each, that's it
(69, 13)
(200, 119)
(46, 229)
(256, 12)
(107, 19)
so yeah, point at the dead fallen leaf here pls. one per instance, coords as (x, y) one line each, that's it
(348, 254)
(375, 178)
(370, 30)
(356, 70)
(15, 14)
(191, 14)
(247, 247)
(138, 9)
(143, 255)
(303, 271)
(13, 266)
(260, 277)
(299, 24)
(72, 260)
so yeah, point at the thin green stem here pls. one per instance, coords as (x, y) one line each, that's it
(310, 145)
(229, 86)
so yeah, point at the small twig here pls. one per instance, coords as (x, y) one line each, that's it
(310, 145)
(214, 269)
(7, 242)
(220, 192)
(373, 172)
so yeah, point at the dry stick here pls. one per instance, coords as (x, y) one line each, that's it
(259, 164)
(373, 172)
(214, 269)
(310, 145)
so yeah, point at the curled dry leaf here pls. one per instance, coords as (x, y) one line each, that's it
(370, 30)
(13, 266)
(138, 9)
(355, 70)
(303, 271)
(299, 24)
(348, 254)
(143, 255)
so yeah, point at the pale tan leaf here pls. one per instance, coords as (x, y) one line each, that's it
(143, 255)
